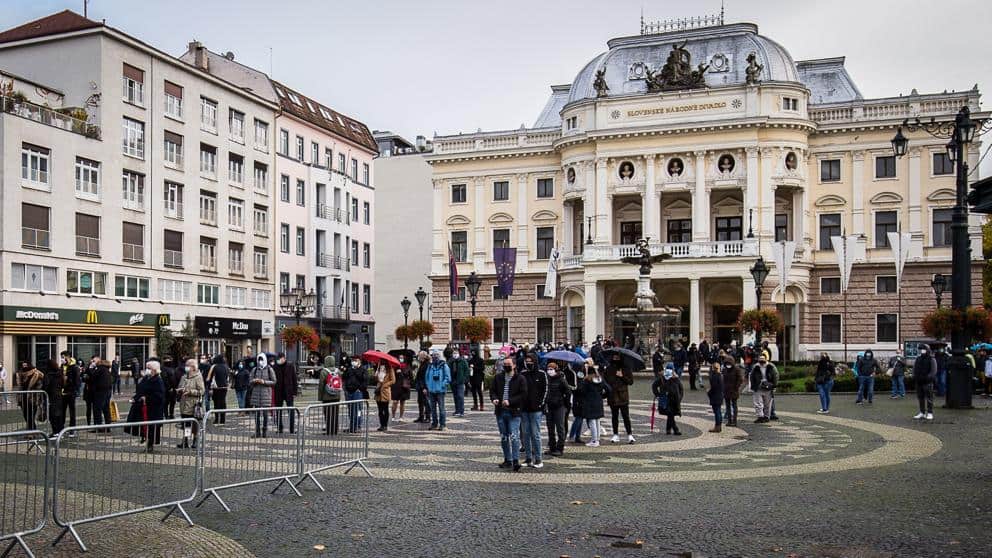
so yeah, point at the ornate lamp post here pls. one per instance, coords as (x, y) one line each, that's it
(405, 303)
(759, 272)
(298, 302)
(938, 284)
(421, 296)
(961, 133)
(472, 284)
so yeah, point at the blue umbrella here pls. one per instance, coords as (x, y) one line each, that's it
(566, 356)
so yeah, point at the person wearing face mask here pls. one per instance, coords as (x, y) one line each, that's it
(400, 392)
(385, 378)
(763, 378)
(667, 389)
(330, 392)
(924, 374)
(420, 384)
(508, 394)
(70, 389)
(151, 393)
(217, 378)
(592, 390)
(28, 378)
(53, 385)
(242, 379)
(530, 427)
(460, 376)
(102, 387)
(190, 391)
(619, 377)
(575, 433)
(285, 389)
(824, 380)
(437, 379)
(477, 381)
(556, 414)
(262, 380)
(355, 380)
(170, 378)
(868, 367)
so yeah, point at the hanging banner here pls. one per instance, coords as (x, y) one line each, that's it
(783, 253)
(848, 249)
(506, 268)
(551, 279)
(900, 244)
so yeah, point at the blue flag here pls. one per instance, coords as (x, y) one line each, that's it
(506, 268)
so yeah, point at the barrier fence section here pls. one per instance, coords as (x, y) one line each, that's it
(241, 447)
(24, 410)
(117, 469)
(24, 473)
(326, 442)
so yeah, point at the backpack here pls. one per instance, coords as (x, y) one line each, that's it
(332, 385)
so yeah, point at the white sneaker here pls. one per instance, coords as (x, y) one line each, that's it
(918, 416)
(593, 444)
(539, 465)
(929, 416)
(630, 439)
(615, 439)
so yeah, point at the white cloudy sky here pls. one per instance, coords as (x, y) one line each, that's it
(420, 67)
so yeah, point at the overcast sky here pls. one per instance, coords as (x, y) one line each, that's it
(451, 66)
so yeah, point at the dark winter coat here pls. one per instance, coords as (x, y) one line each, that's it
(152, 389)
(355, 379)
(825, 371)
(459, 371)
(591, 395)
(242, 377)
(53, 385)
(679, 358)
(518, 393)
(100, 381)
(537, 389)
(715, 393)
(559, 393)
(70, 372)
(771, 376)
(221, 373)
(285, 381)
(733, 379)
(924, 369)
(673, 387)
(868, 366)
(619, 395)
(657, 361)
(478, 369)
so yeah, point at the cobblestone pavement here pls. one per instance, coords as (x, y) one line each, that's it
(862, 481)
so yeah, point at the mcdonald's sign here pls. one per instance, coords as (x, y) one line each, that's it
(92, 317)
(164, 320)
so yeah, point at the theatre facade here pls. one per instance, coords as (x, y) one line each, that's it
(717, 147)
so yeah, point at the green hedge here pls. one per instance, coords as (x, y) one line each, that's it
(848, 383)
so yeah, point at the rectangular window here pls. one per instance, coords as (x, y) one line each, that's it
(885, 284)
(365, 174)
(830, 170)
(129, 286)
(208, 160)
(283, 282)
(501, 190)
(314, 153)
(208, 208)
(829, 285)
(208, 114)
(208, 254)
(781, 227)
(261, 260)
(501, 330)
(173, 149)
(236, 214)
(501, 238)
(679, 230)
(261, 220)
(728, 228)
(35, 226)
(498, 294)
(354, 170)
(133, 138)
(545, 242)
(301, 282)
(354, 252)
(886, 328)
(942, 219)
(545, 188)
(87, 235)
(366, 213)
(85, 282)
(87, 178)
(459, 245)
(545, 330)
(354, 297)
(34, 278)
(299, 148)
(261, 136)
(236, 125)
(175, 291)
(366, 299)
(790, 104)
(236, 169)
(830, 328)
(539, 292)
(341, 162)
(284, 238)
(173, 197)
(829, 227)
(301, 241)
(885, 222)
(133, 242)
(261, 298)
(366, 255)
(301, 193)
(456, 329)
(460, 295)
(207, 294)
(885, 166)
(284, 188)
(173, 100)
(133, 190)
(133, 85)
(284, 142)
(261, 178)
(173, 248)
(237, 296)
(328, 158)
(458, 193)
(35, 164)
(942, 164)
(236, 258)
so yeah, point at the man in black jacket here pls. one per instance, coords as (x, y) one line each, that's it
(924, 374)
(285, 389)
(530, 426)
(171, 380)
(509, 394)
(102, 385)
(70, 390)
(355, 379)
(477, 380)
(556, 404)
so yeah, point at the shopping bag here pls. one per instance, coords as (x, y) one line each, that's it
(114, 413)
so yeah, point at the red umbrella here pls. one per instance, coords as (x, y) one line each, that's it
(377, 357)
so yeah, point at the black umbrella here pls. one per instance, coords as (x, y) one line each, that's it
(407, 353)
(631, 359)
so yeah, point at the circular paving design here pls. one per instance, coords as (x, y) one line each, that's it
(800, 443)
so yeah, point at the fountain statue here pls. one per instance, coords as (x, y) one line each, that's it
(647, 316)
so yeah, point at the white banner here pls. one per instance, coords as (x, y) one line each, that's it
(551, 279)
(783, 253)
(900, 244)
(848, 249)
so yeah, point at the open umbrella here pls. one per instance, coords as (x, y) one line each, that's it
(507, 350)
(565, 356)
(631, 359)
(377, 357)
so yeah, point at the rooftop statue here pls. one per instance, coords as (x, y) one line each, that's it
(677, 73)
(600, 83)
(753, 70)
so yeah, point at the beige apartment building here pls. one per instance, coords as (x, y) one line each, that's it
(716, 146)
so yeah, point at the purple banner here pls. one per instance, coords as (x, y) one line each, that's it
(506, 268)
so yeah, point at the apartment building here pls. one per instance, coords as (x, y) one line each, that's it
(325, 203)
(138, 193)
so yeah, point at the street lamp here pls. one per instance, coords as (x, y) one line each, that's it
(960, 134)
(405, 303)
(938, 284)
(298, 302)
(759, 272)
(421, 296)
(472, 284)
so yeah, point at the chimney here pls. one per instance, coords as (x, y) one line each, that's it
(199, 55)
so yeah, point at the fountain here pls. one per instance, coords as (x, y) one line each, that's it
(648, 317)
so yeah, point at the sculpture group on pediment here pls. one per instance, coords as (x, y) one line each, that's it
(677, 73)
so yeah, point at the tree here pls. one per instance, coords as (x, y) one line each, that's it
(475, 329)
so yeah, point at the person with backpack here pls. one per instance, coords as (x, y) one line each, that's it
(330, 392)
(925, 374)
(824, 380)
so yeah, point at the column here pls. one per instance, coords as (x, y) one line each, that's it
(649, 204)
(857, 192)
(438, 255)
(604, 209)
(700, 204)
(695, 310)
(567, 228)
(751, 190)
(798, 210)
(479, 222)
(767, 220)
(592, 302)
(523, 222)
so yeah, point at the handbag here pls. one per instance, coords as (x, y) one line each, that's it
(663, 402)
(198, 411)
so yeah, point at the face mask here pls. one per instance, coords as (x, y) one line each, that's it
(668, 374)
(262, 362)
(402, 360)
(146, 372)
(189, 369)
(356, 363)
(597, 380)
(552, 373)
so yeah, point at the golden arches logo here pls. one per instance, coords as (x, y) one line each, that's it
(92, 317)
(163, 320)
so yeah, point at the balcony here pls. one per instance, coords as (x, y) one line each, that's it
(334, 262)
(134, 202)
(173, 258)
(39, 239)
(173, 209)
(87, 246)
(336, 312)
(133, 252)
(49, 117)
(678, 250)
(331, 213)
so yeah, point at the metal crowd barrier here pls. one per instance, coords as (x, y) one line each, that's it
(24, 507)
(232, 455)
(106, 469)
(21, 410)
(325, 442)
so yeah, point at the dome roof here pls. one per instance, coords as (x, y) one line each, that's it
(725, 48)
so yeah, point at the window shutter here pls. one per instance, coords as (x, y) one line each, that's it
(208, 241)
(173, 89)
(87, 225)
(174, 241)
(136, 74)
(34, 216)
(134, 234)
(173, 137)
